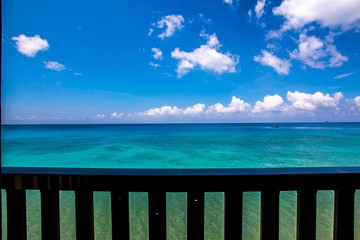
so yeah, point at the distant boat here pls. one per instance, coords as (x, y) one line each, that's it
(275, 126)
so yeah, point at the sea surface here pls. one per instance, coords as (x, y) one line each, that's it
(182, 146)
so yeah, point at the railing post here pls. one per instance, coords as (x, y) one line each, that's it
(270, 214)
(16, 209)
(120, 215)
(233, 215)
(195, 215)
(50, 216)
(157, 215)
(344, 214)
(306, 214)
(1, 210)
(84, 205)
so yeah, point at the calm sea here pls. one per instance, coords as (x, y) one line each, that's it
(182, 146)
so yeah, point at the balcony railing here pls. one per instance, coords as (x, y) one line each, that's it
(195, 182)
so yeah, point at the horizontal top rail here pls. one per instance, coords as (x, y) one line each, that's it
(180, 171)
(180, 180)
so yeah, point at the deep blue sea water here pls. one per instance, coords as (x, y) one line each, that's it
(182, 146)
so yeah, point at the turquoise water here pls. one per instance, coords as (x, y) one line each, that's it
(183, 146)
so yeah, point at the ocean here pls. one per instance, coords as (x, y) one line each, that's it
(256, 145)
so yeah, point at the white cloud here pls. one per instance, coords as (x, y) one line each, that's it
(228, 1)
(203, 19)
(269, 103)
(30, 46)
(343, 75)
(207, 57)
(306, 101)
(100, 116)
(195, 109)
(154, 65)
(236, 105)
(274, 34)
(171, 23)
(295, 105)
(52, 65)
(357, 101)
(157, 53)
(268, 59)
(259, 8)
(317, 54)
(116, 115)
(175, 111)
(328, 13)
(273, 46)
(250, 14)
(163, 111)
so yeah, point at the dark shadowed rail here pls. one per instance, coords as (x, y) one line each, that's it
(195, 182)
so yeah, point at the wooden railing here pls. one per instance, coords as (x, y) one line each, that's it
(195, 182)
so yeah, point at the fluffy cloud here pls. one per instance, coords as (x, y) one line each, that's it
(30, 46)
(236, 105)
(207, 57)
(163, 111)
(195, 109)
(269, 103)
(296, 104)
(357, 101)
(171, 23)
(259, 8)
(173, 111)
(268, 59)
(306, 101)
(52, 65)
(317, 54)
(157, 53)
(116, 115)
(298, 13)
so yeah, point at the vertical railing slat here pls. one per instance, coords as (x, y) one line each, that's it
(50, 209)
(195, 215)
(233, 215)
(344, 214)
(269, 214)
(50, 217)
(16, 214)
(157, 215)
(306, 214)
(120, 215)
(84, 207)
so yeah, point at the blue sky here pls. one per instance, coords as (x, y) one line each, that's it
(180, 61)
